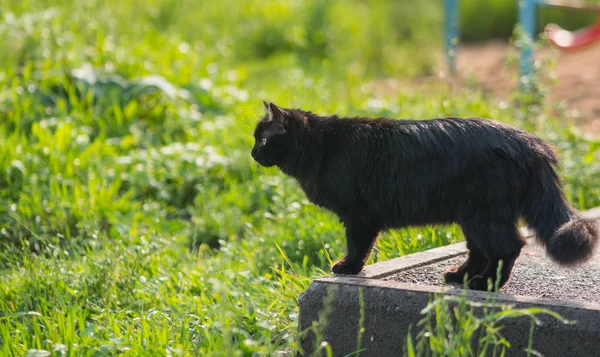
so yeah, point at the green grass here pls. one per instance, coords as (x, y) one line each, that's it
(455, 326)
(133, 220)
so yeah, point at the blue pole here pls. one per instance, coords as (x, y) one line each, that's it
(527, 13)
(451, 29)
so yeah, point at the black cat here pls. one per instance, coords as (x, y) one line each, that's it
(379, 174)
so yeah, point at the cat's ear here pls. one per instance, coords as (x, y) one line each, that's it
(277, 114)
(266, 104)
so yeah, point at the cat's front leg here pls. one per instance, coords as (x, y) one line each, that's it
(360, 237)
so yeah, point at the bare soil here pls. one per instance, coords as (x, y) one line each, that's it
(577, 75)
(485, 66)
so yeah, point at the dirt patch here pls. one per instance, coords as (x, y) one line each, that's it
(485, 66)
(577, 75)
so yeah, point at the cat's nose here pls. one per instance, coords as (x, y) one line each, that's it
(253, 151)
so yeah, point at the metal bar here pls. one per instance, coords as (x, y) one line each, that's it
(527, 14)
(451, 29)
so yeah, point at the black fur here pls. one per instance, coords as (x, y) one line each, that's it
(379, 174)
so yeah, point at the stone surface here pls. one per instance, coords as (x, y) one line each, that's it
(394, 292)
(533, 275)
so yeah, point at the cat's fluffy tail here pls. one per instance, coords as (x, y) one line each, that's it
(569, 238)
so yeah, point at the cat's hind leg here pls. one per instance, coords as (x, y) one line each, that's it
(360, 237)
(474, 265)
(499, 241)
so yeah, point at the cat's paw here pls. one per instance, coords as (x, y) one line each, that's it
(478, 283)
(347, 268)
(454, 275)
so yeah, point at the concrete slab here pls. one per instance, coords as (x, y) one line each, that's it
(395, 291)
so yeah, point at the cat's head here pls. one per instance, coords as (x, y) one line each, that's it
(274, 135)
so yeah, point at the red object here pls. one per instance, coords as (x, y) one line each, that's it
(573, 40)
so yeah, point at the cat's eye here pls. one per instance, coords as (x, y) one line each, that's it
(263, 142)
